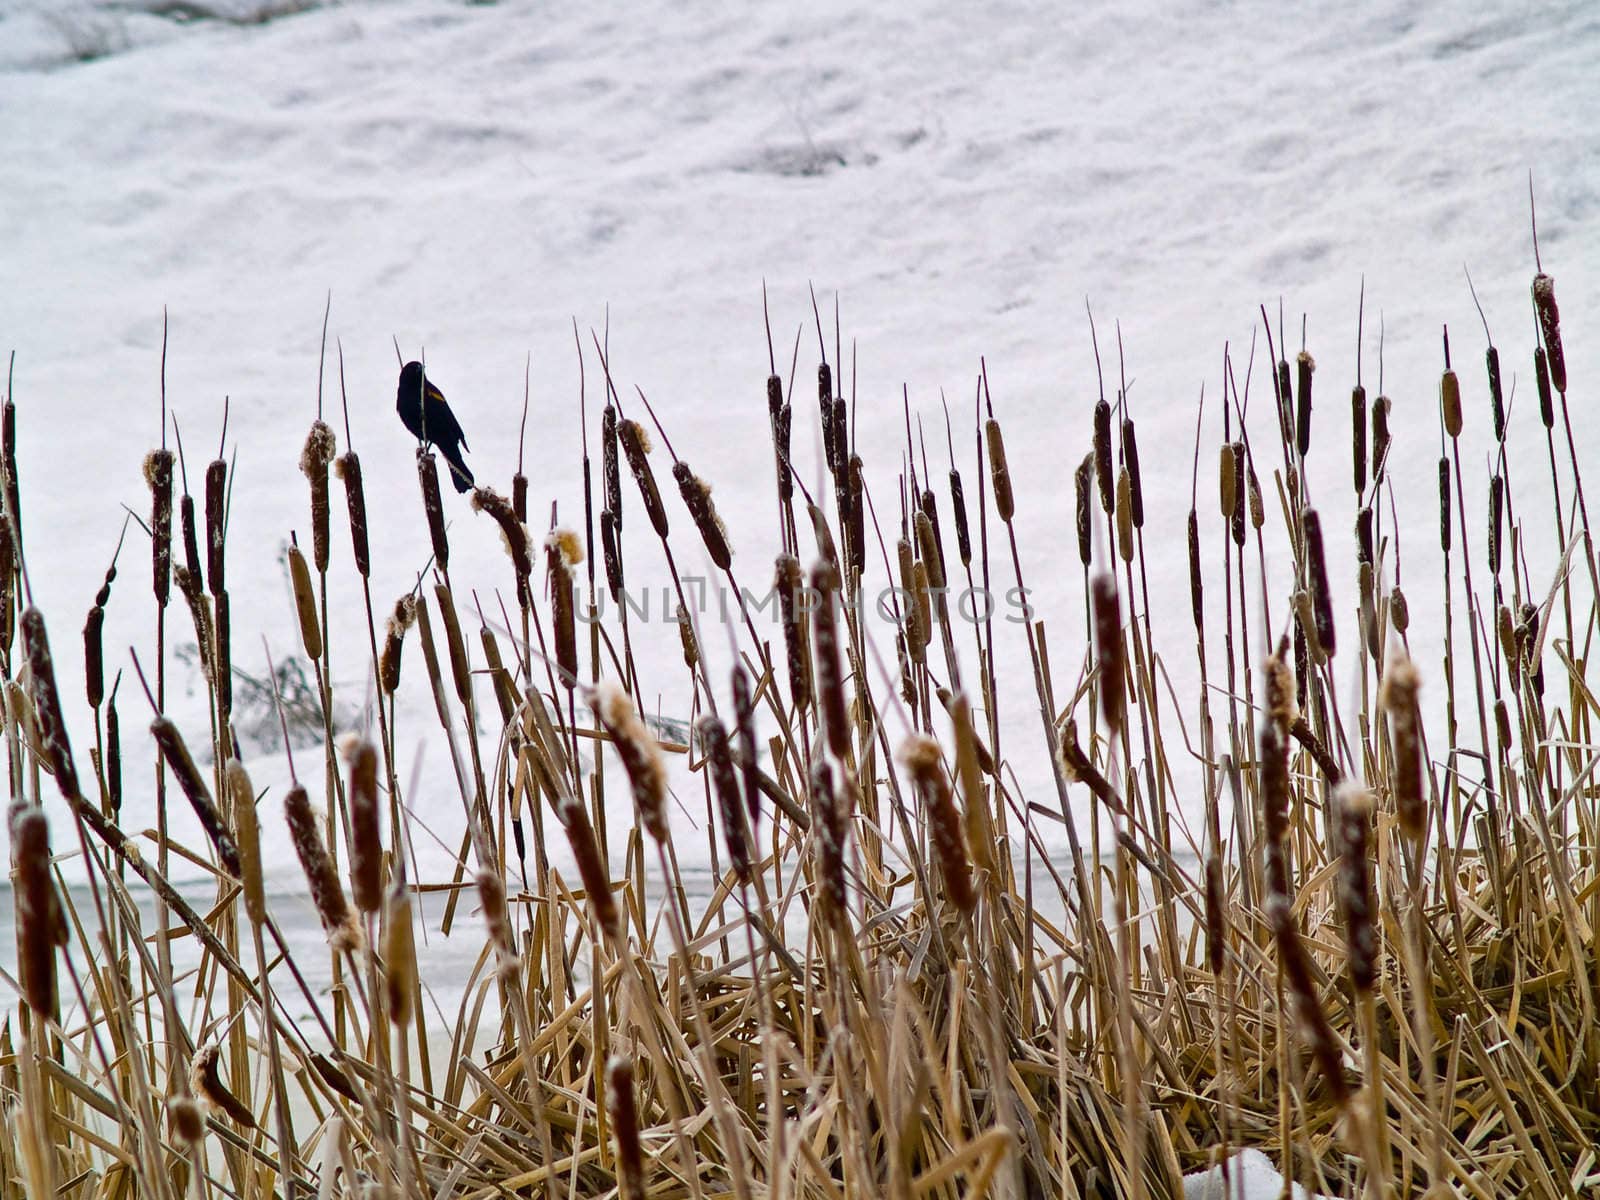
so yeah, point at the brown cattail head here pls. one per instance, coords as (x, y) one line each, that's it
(1399, 611)
(1110, 657)
(636, 448)
(1380, 437)
(1274, 774)
(158, 474)
(1124, 515)
(839, 424)
(1353, 808)
(399, 954)
(928, 547)
(1102, 455)
(1497, 500)
(1196, 587)
(829, 659)
(1544, 304)
(40, 926)
(780, 449)
(366, 837)
(563, 616)
(183, 768)
(1506, 630)
(1130, 456)
(922, 759)
(1258, 514)
(958, 502)
(1497, 403)
(305, 603)
(1082, 487)
(624, 1113)
(1365, 547)
(1321, 594)
(433, 507)
(774, 395)
(321, 878)
(691, 647)
(1228, 481)
(189, 586)
(404, 615)
(216, 523)
(1285, 397)
(242, 804)
(640, 755)
(969, 755)
(1280, 693)
(191, 541)
(610, 470)
(94, 656)
(1305, 365)
(610, 553)
(1241, 493)
(828, 829)
(1216, 923)
(824, 538)
(999, 474)
(224, 655)
(790, 586)
(113, 756)
(1398, 695)
(1541, 376)
(47, 704)
(696, 494)
(725, 783)
(348, 468)
(1358, 437)
(591, 869)
(185, 1118)
(512, 531)
(1450, 402)
(319, 450)
(744, 720)
(1297, 974)
(492, 895)
(205, 1078)
(1444, 504)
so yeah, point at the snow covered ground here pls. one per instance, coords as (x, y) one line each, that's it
(472, 178)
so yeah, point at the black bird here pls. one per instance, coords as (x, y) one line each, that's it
(432, 421)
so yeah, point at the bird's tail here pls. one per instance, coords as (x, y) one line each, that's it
(459, 474)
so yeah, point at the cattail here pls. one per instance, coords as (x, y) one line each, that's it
(11, 543)
(47, 703)
(1285, 398)
(1399, 611)
(323, 881)
(1380, 437)
(1241, 493)
(562, 552)
(1544, 304)
(1101, 448)
(591, 869)
(1496, 400)
(319, 450)
(185, 1119)
(921, 757)
(1358, 437)
(1502, 724)
(636, 448)
(780, 439)
(366, 840)
(789, 583)
(189, 586)
(696, 495)
(1450, 402)
(608, 550)
(433, 507)
(94, 656)
(928, 547)
(1541, 375)
(1082, 485)
(1353, 805)
(640, 755)
(224, 654)
(1109, 649)
(1497, 499)
(691, 649)
(829, 829)
(113, 755)
(744, 721)
(405, 613)
(348, 468)
(1302, 663)
(719, 757)
(824, 538)
(999, 474)
(924, 600)
(191, 540)
(399, 954)
(1305, 627)
(1305, 366)
(1228, 481)
(205, 1077)
(1216, 924)
(838, 419)
(958, 501)
(830, 452)
(1506, 630)
(183, 768)
(624, 1115)
(305, 603)
(216, 523)
(829, 671)
(1124, 515)
(1444, 504)
(1364, 543)
(1274, 768)
(39, 920)
(242, 803)
(1196, 586)
(1130, 455)
(969, 765)
(513, 532)
(492, 895)
(1398, 696)
(858, 518)
(158, 474)
(1320, 1039)
(610, 470)
(774, 395)
(1321, 595)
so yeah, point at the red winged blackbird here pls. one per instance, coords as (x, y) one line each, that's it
(432, 421)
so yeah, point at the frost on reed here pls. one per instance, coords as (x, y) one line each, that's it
(995, 963)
